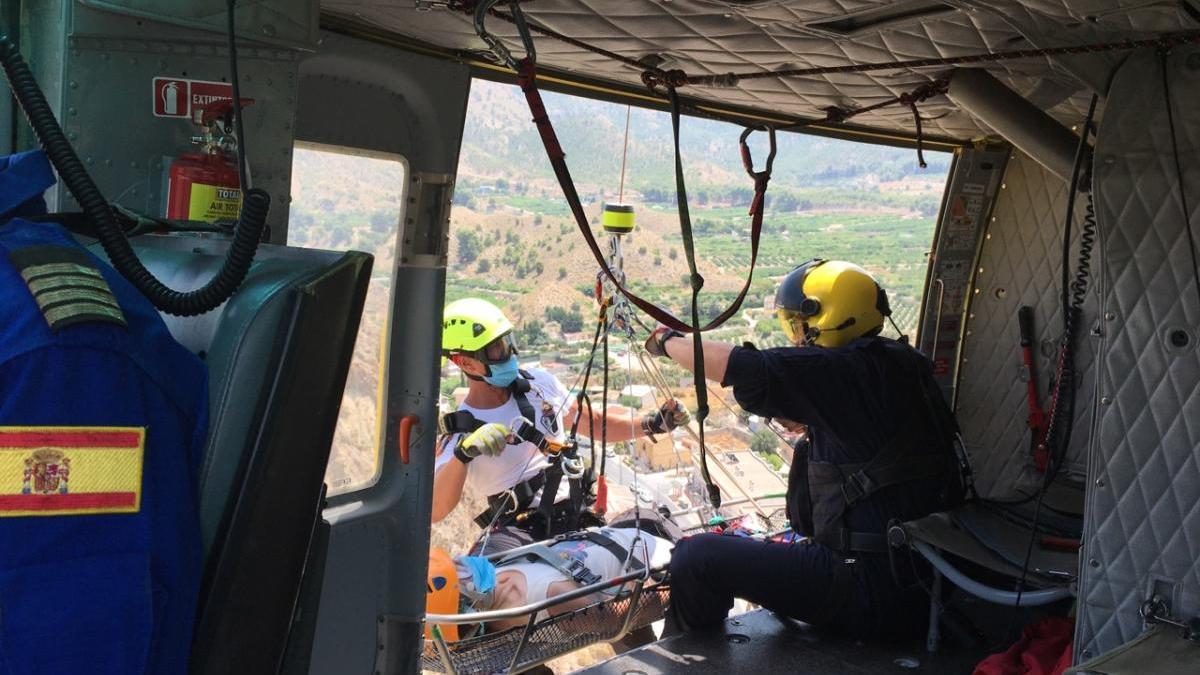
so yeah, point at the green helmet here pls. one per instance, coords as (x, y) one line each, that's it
(470, 324)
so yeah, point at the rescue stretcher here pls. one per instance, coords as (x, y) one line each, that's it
(638, 599)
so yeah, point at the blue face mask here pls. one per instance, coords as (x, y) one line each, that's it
(483, 572)
(503, 374)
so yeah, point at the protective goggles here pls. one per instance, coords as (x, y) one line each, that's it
(497, 351)
(794, 324)
(794, 318)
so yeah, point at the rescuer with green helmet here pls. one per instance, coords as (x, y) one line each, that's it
(881, 446)
(505, 439)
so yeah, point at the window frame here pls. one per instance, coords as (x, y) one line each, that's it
(334, 495)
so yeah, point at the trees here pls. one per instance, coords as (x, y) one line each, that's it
(469, 246)
(570, 321)
(533, 332)
(764, 442)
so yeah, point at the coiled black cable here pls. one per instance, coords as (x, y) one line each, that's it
(1062, 407)
(252, 220)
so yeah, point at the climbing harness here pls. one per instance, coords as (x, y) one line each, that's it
(825, 492)
(513, 505)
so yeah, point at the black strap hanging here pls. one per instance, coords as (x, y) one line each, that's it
(527, 75)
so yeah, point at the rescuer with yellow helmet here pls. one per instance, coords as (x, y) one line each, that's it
(881, 446)
(507, 440)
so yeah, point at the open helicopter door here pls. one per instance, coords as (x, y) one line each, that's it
(370, 97)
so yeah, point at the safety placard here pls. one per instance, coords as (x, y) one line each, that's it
(214, 203)
(176, 97)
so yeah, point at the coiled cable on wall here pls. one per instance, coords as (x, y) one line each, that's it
(1062, 405)
(255, 204)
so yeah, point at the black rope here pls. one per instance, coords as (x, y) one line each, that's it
(1183, 202)
(243, 162)
(587, 374)
(604, 406)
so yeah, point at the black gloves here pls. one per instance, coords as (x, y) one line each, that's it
(655, 343)
(669, 416)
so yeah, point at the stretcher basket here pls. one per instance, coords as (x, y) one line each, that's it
(639, 601)
(631, 601)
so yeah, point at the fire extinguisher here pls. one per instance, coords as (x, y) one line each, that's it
(205, 185)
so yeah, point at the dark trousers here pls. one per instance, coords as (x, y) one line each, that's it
(797, 580)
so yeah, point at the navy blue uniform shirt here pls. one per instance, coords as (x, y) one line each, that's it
(853, 399)
(102, 427)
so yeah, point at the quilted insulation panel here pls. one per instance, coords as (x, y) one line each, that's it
(712, 37)
(1142, 529)
(1020, 263)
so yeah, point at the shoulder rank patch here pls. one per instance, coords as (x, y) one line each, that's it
(67, 286)
(58, 471)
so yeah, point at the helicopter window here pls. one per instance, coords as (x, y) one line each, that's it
(345, 199)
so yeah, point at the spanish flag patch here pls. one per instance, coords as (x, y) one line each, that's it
(57, 471)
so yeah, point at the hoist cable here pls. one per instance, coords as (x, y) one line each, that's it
(624, 156)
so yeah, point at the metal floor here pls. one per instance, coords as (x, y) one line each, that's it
(758, 642)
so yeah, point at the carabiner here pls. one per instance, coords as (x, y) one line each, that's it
(572, 467)
(748, 161)
(495, 44)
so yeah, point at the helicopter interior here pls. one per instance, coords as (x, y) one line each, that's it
(1072, 192)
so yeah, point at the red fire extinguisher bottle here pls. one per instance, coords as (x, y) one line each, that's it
(205, 185)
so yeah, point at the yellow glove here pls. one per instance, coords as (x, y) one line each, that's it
(489, 439)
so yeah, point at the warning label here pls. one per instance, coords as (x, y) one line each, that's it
(213, 204)
(174, 97)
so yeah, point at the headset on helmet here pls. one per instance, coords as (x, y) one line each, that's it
(829, 303)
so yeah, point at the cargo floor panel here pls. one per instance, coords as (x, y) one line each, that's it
(759, 642)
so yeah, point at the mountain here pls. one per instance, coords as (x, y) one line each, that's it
(499, 141)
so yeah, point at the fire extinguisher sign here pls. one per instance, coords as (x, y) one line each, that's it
(187, 99)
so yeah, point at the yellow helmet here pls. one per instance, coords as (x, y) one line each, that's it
(442, 592)
(470, 324)
(829, 303)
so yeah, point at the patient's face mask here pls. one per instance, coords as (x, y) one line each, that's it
(476, 579)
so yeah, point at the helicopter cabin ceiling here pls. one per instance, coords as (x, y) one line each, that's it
(714, 37)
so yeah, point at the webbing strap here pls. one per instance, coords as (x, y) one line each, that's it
(526, 78)
(622, 554)
(570, 567)
(697, 282)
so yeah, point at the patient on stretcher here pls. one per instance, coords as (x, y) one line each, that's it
(476, 584)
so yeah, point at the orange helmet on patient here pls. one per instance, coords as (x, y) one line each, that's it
(454, 586)
(442, 593)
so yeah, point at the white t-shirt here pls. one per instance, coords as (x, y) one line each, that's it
(492, 475)
(601, 561)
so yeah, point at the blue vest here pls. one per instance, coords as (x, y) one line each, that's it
(103, 418)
